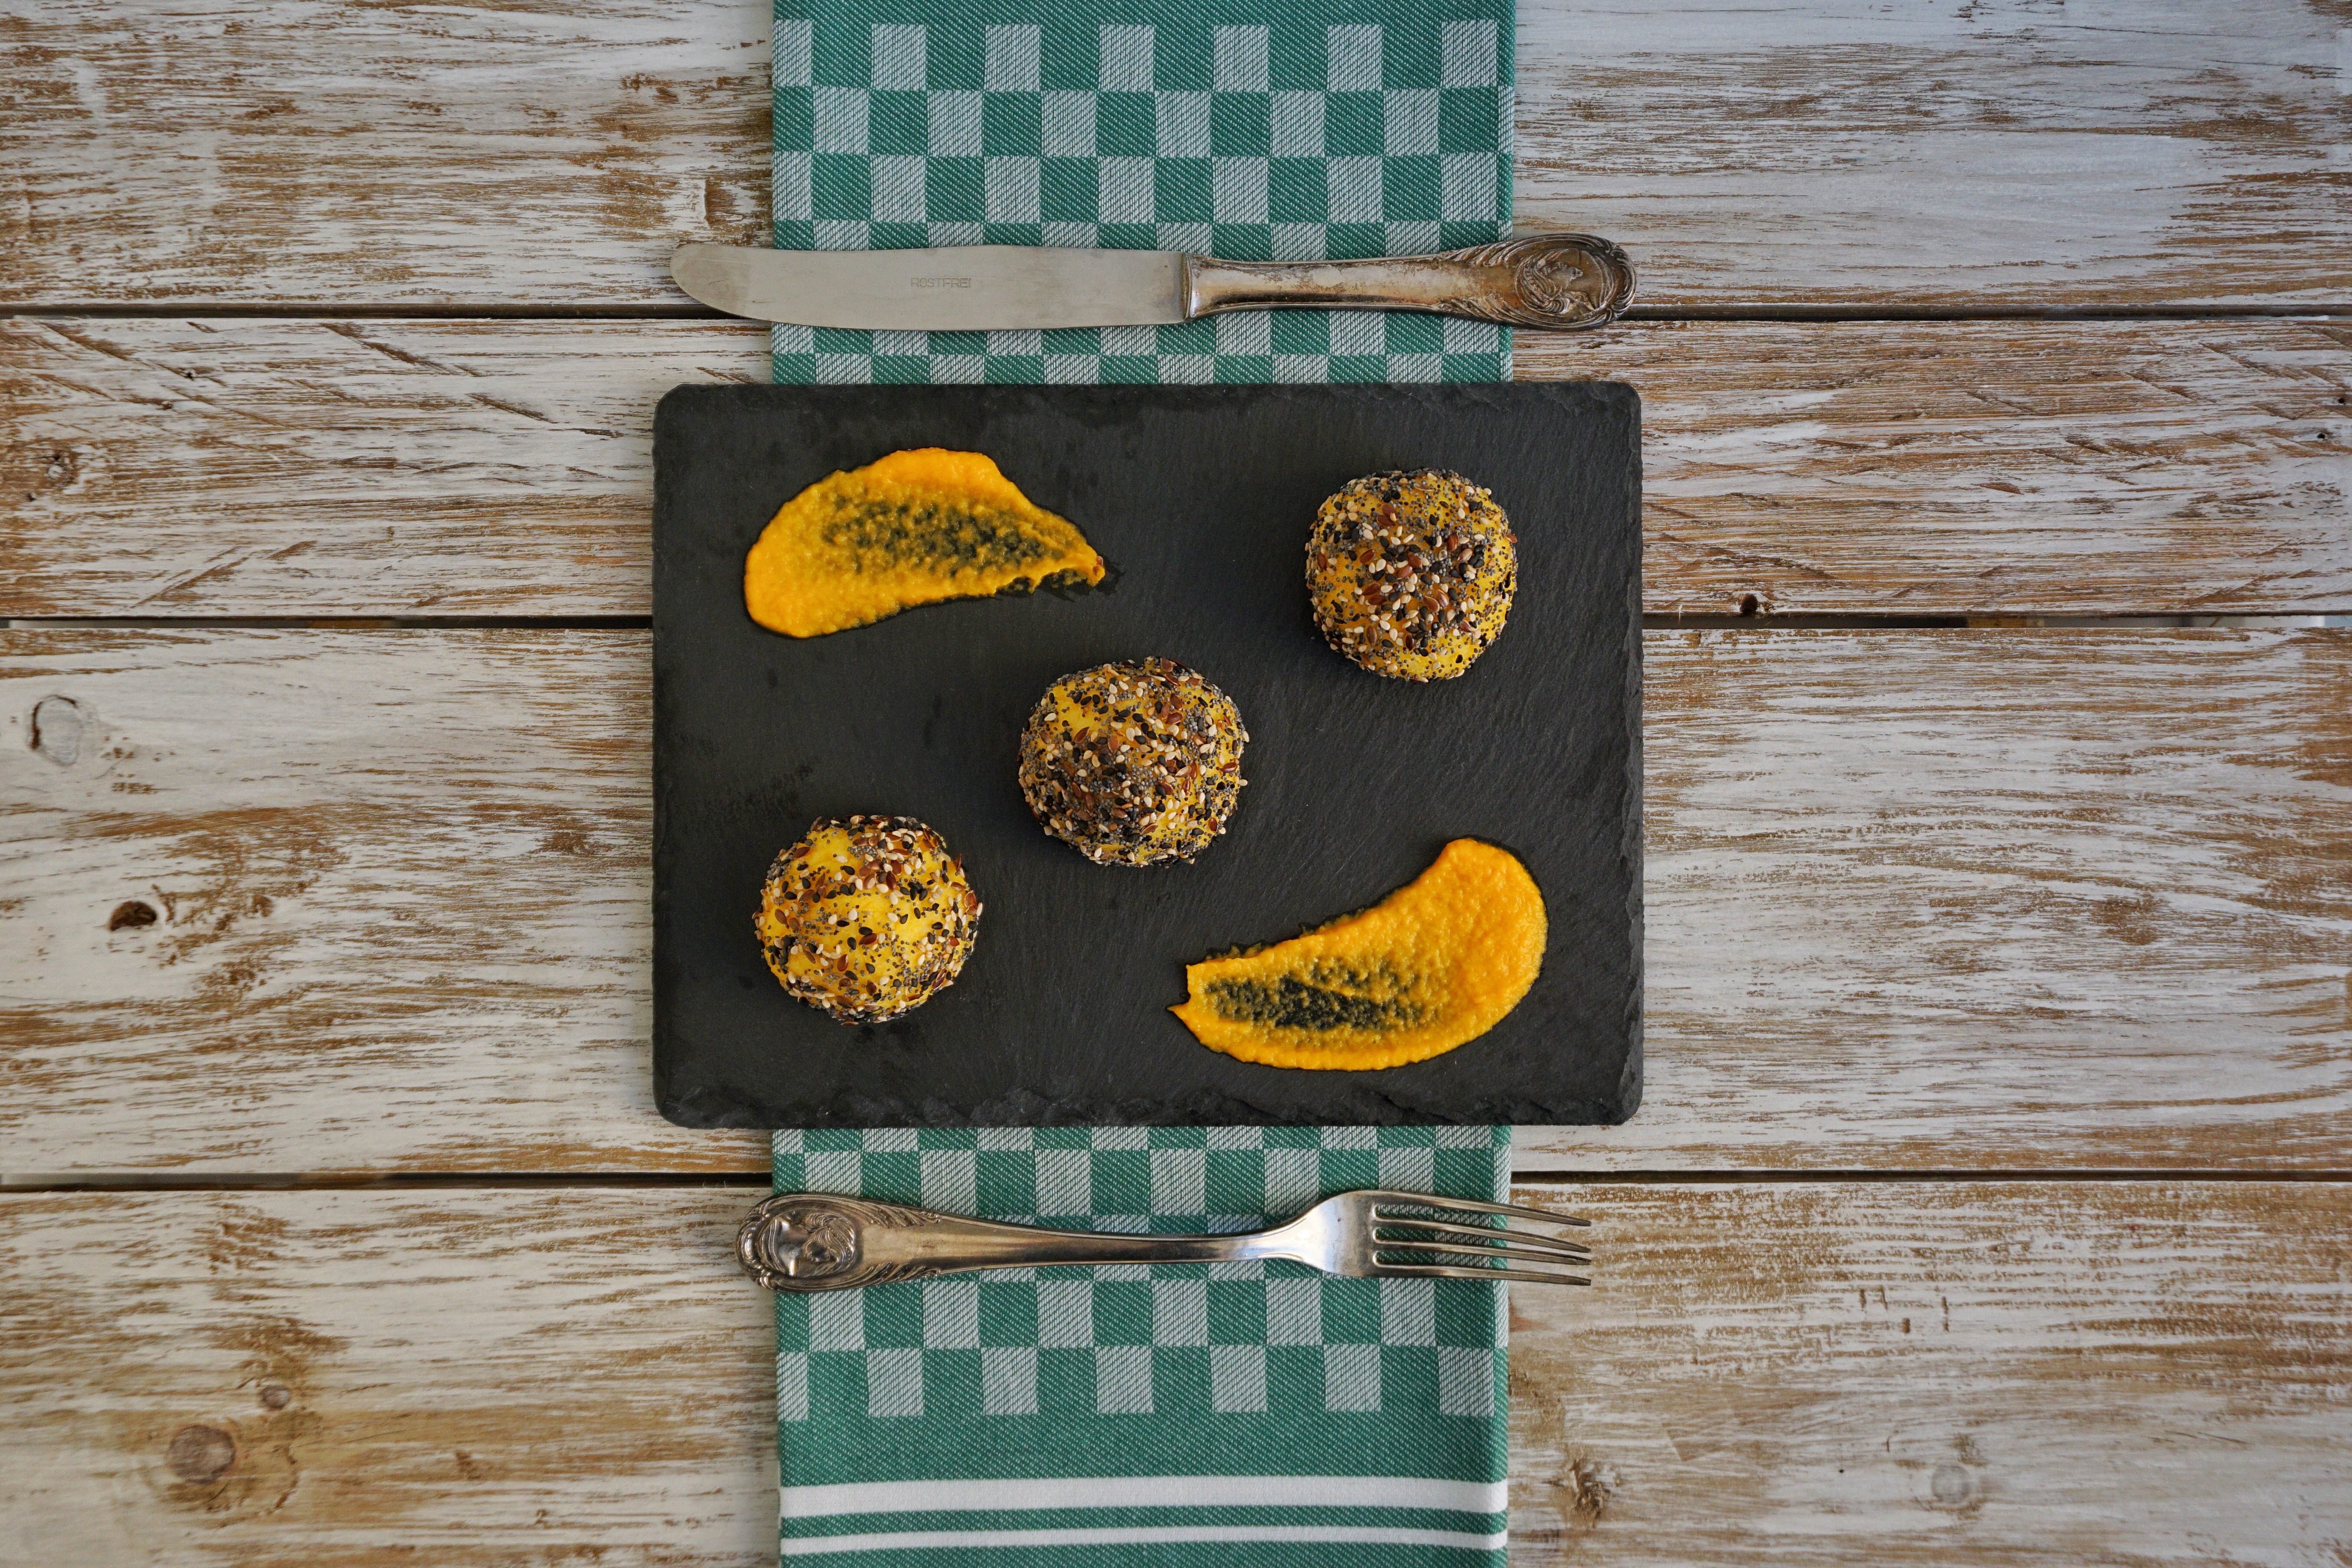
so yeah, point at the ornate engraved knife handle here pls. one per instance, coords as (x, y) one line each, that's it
(804, 1242)
(1566, 282)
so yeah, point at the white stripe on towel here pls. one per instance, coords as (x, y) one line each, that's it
(1334, 1534)
(1145, 1491)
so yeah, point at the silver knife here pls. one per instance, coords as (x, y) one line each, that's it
(1561, 282)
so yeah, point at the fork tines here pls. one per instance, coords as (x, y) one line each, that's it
(1430, 1244)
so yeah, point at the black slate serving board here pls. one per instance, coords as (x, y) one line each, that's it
(1201, 498)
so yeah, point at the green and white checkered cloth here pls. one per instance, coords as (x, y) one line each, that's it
(1230, 1415)
(1217, 1415)
(1230, 128)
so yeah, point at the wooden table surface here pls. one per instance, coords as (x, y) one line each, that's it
(1989, 1204)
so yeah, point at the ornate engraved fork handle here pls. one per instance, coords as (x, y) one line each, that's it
(1566, 282)
(804, 1242)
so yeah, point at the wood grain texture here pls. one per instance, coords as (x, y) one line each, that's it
(1965, 900)
(2015, 1372)
(2020, 1374)
(242, 467)
(1950, 154)
(478, 154)
(339, 467)
(284, 974)
(1977, 467)
(1958, 154)
(503, 1377)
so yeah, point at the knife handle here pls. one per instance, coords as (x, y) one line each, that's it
(1565, 282)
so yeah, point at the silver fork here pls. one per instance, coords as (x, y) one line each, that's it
(803, 1242)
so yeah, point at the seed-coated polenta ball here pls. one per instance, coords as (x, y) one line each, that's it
(867, 916)
(1410, 574)
(1133, 763)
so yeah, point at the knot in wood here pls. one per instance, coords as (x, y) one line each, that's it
(200, 1453)
(131, 912)
(1588, 1485)
(57, 729)
(1951, 1485)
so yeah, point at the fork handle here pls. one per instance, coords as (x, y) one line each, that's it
(807, 1242)
(1568, 282)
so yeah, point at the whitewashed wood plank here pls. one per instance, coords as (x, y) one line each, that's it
(474, 153)
(312, 993)
(1982, 468)
(344, 1378)
(1960, 155)
(243, 466)
(2015, 1372)
(1922, 1373)
(1968, 899)
(1842, 152)
(1993, 899)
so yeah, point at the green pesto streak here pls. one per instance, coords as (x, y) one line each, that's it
(1330, 998)
(939, 537)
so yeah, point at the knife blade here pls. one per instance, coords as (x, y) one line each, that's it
(1567, 281)
(972, 287)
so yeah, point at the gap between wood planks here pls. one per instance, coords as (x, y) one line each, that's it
(498, 1181)
(658, 311)
(2282, 621)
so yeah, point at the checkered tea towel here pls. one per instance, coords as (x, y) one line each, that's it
(1243, 1415)
(1240, 128)
(1217, 1415)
